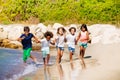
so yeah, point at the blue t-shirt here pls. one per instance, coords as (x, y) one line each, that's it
(26, 42)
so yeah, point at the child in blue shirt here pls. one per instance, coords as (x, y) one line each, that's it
(27, 44)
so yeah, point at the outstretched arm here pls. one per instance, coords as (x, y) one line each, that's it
(36, 39)
(52, 42)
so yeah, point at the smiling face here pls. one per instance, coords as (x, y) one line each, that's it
(83, 29)
(60, 31)
(48, 38)
(72, 31)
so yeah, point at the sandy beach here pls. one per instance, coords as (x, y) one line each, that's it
(102, 64)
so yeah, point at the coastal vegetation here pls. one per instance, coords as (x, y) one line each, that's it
(61, 11)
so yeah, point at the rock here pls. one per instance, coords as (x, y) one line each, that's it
(13, 46)
(73, 25)
(7, 44)
(41, 27)
(104, 33)
(6, 41)
(32, 28)
(15, 32)
(3, 35)
(57, 25)
(39, 35)
(16, 42)
(1, 40)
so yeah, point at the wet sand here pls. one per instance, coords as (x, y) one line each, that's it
(102, 63)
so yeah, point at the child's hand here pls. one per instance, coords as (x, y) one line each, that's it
(37, 41)
(23, 38)
(75, 42)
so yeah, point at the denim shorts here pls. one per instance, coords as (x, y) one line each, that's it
(71, 49)
(83, 44)
(61, 48)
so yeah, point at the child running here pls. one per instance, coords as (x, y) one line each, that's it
(83, 40)
(27, 44)
(71, 41)
(45, 46)
(60, 43)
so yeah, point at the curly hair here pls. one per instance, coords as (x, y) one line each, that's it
(62, 29)
(72, 28)
(48, 33)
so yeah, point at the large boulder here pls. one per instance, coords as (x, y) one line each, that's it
(104, 33)
(57, 25)
(32, 28)
(41, 27)
(15, 32)
(3, 33)
(73, 25)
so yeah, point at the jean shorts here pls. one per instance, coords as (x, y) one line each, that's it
(61, 48)
(71, 49)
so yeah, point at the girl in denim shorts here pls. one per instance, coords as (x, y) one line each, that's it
(60, 39)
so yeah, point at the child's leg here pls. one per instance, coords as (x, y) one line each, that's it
(33, 58)
(81, 51)
(48, 57)
(83, 64)
(71, 50)
(71, 53)
(24, 56)
(44, 61)
(82, 56)
(58, 55)
(61, 53)
(29, 55)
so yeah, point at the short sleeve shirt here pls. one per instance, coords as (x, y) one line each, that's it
(26, 42)
(60, 41)
(71, 40)
(45, 43)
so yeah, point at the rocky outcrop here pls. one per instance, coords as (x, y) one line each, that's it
(104, 33)
(100, 33)
(6, 43)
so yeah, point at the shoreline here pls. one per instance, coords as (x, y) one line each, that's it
(102, 65)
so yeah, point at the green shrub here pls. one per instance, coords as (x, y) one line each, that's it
(63, 11)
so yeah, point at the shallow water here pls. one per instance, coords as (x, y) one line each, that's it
(11, 64)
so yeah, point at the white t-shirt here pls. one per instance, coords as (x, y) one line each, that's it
(71, 40)
(60, 41)
(44, 44)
